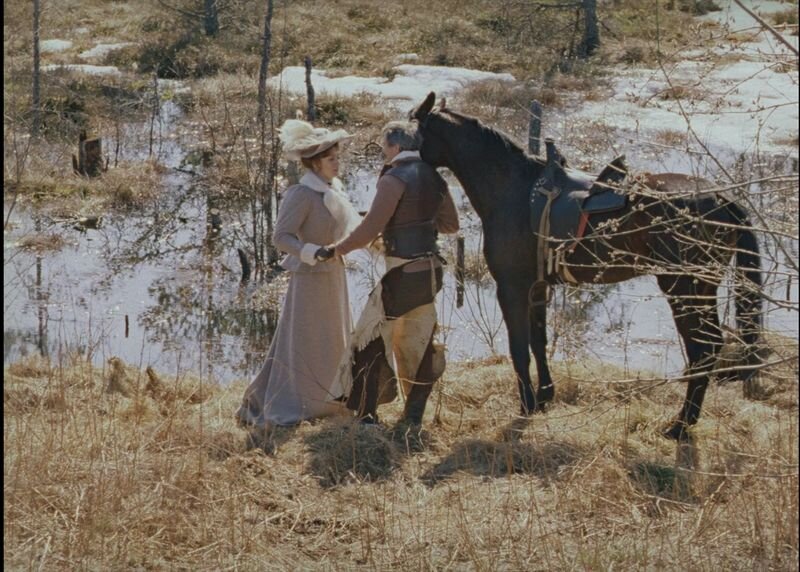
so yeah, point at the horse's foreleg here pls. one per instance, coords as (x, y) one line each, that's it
(538, 341)
(513, 298)
(695, 313)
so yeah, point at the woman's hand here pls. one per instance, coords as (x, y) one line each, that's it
(324, 253)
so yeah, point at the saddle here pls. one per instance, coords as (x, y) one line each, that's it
(562, 201)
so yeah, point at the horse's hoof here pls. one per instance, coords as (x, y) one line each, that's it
(679, 431)
(538, 407)
(411, 434)
(370, 419)
(409, 422)
(545, 394)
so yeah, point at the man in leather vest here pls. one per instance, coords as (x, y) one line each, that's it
(412, 205)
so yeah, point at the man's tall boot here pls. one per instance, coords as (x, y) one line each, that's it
(369, 367)
(430, 369)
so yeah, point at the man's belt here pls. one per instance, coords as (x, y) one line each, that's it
(411, 241)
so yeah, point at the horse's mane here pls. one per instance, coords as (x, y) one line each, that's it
(494, 135)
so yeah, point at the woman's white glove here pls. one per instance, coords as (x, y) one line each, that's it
(308, 253)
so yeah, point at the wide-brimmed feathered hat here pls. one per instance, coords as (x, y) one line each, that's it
(301, 140)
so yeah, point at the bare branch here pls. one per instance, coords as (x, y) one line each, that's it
(769, 28)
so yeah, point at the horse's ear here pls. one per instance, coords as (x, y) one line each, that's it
(424, 108)
(442, 103)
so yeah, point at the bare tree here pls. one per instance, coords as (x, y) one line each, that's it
(35, 99)
(778, 36)
(311, 112)
(591, 32)
(210, 17)
(267, 169)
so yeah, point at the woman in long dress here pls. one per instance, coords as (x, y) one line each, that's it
(294, 382)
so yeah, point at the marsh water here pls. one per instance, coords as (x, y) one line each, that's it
(156, 287)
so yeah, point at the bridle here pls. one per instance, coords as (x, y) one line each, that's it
(423, 126)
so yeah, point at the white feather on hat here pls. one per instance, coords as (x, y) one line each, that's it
(302, 140)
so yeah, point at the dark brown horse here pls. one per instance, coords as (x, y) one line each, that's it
(684, 239)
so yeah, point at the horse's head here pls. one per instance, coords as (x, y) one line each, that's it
(434, 149)
(486, 162)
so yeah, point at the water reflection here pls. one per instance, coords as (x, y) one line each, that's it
(156, 287)
(159, 285)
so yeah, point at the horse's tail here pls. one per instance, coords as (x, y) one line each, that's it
(747, 291)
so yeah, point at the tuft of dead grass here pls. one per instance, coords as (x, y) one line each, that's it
(351, 453)
(61, 193)
(787, 17)
(682, 92)
(791, 141)
(670, 137)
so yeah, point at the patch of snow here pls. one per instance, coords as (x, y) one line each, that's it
(405, 58)
(174, 85)
(449, 78)
(744, 106)
(734, 19)
(82, 30)
(84, 68)
(731, 14)
(101, 50)
(51, 46)
(411, 84)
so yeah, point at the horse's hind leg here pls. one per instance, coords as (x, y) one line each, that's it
(695, 312)
(512, 294)
(538, 341)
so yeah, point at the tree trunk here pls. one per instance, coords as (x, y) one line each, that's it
(266, 173)
(311, 110)
(263, 72)
(591, 32)
(89, 162)
(292, 174)
(535, 128)
(211, 19)
(93, 153)
(81, 153)
(35, 99)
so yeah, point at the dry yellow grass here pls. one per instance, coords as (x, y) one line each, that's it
(55, 190)
(344, 37)
(116, 468)
(162, 479)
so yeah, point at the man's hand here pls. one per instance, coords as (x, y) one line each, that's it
(324, 253)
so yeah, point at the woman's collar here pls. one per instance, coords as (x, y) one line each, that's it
(317, 183)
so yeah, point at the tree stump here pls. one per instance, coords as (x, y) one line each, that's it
(89, 162)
